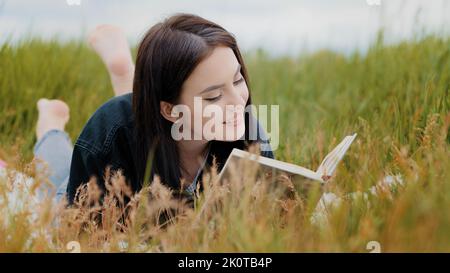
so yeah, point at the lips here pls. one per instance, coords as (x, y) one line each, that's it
(234, 122)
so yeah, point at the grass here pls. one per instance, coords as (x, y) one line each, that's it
(396, 97)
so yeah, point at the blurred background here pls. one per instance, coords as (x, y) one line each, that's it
(375, 67)
(279, 27)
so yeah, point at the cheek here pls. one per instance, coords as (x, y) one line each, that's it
(244, 93)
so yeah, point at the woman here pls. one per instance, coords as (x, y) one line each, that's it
(179, 60)
(123, 130)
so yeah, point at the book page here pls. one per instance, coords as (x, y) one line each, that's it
(288, 167)
(276, 173)
(329, 164)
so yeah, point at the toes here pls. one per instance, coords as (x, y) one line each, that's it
(56, 107)
(101, 32)
(42, 103)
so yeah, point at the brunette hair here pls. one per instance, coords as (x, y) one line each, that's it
(166, 57)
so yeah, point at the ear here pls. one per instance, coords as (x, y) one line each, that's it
(166, 111)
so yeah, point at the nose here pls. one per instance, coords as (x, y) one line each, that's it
(235, 104)
(234, 96)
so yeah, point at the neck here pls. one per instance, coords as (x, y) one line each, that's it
(192, 149)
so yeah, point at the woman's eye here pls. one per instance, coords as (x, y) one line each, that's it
(239, 81)
(213, 99)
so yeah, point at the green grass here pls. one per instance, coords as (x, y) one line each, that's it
(396, 97)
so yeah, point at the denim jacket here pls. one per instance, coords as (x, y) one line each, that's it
(107, 140)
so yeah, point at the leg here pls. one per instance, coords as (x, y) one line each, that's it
(53, 146)
(110, 43)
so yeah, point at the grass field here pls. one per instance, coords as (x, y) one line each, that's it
(396, 97)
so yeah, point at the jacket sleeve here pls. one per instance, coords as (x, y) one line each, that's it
(263, 139)
(85, 164)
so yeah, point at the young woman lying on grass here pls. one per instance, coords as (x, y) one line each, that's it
(181, 58)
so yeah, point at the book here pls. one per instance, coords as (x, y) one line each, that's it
(272, 168)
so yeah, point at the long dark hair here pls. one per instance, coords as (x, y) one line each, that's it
(166, 57)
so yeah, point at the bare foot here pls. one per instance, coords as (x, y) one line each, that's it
(53, 114)
(110, 43)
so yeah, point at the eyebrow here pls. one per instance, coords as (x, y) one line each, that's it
(214, 87)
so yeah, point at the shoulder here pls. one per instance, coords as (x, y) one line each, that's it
(109, 119)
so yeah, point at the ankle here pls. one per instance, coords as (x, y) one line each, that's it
(120, 65)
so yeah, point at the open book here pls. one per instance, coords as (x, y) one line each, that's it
(321, 175)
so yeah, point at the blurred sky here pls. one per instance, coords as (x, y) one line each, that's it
(280, 27)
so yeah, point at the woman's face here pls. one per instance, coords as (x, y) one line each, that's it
(216, 94)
